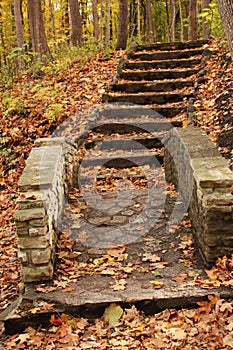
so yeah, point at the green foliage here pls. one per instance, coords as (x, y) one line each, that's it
(212, 15)
(53, 112)
(5, 151)
(43, 93)
(21, 53)
(13, 106)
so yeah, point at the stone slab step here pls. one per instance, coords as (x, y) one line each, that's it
(146, 98)
(165, 55)
(178, 45)
(144, 176)
(124, 159)
(90, 297)
(157, 75)
(155, 86)
(128, 143)
(122, 111)
(115, 176)
(129, 125)
(163, 64)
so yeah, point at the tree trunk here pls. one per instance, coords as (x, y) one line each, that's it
(76, 23)
(205, 23)
(107, 24)
(2, 37)
(18, 22)
(193, 24)
(181, 21)
(226, 13)
(138, 20)
(38, 37)
(172, 35)
(122, 34)
(51, 9)
(150, 23)
(19, 28)
(95, 20)
(66, 19)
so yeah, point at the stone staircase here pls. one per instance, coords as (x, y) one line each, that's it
(123, 154)
(163, 76)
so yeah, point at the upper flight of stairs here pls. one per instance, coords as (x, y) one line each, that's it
(162, 76)
(121, 177)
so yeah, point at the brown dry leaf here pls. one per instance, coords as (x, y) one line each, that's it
(116, 252)
(56, 321)
(150, 257)
(68, 289)
(177, 333)
(180, 278)
(119, 285)
(160, 265)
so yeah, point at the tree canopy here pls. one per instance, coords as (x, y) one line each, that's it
(57, 25)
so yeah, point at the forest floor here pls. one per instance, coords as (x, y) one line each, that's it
(33, 108)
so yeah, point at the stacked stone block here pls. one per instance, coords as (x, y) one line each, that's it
(43, 185)
(203, 178)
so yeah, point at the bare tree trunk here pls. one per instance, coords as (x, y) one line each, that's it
(52, 19)
(181, 21)
(139, 20)
(76, 23)
(107, 24)
(226, 13)
(193, 24)
(39, 41)
(150, 23)
(19, 28)
(173, 21)
(2, 37)
(205, 23)
(66, 19)
(18, 22)
(95, 20)
(122, 34)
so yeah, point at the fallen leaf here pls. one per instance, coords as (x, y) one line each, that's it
(112, 314)
(55, 320)
(157, 284)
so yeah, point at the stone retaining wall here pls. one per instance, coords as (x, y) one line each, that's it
(203, 178)
(43, 185)
(51, 170)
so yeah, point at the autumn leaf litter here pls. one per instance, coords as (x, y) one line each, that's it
(209, 326)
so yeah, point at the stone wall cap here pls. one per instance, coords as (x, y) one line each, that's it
(54, 141)
(212, 172)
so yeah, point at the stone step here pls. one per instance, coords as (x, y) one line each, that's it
(128, 143)
(165, 55)
(146, 98)
(157, 75)
(120, 160)
(178, 45)
(105, 175)
(163, 64)
(129, 125)
(131, 111)
(155, 86)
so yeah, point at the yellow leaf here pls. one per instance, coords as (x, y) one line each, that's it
(157, 284)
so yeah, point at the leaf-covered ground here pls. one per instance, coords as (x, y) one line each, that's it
(32, 108)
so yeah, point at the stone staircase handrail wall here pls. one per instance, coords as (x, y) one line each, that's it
(211, 180)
